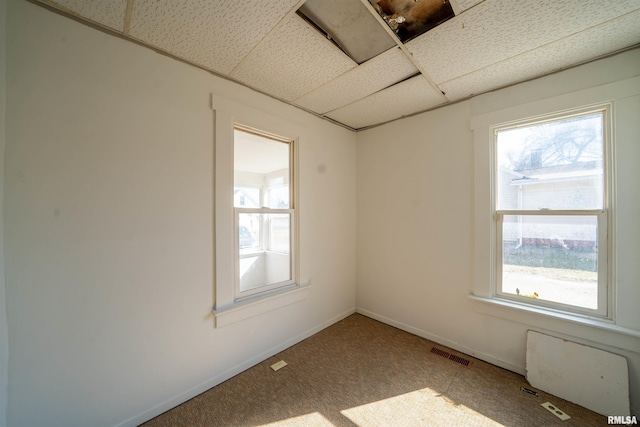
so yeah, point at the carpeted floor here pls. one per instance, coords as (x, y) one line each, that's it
(360, 372)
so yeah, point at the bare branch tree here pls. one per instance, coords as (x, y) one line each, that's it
(554, 144)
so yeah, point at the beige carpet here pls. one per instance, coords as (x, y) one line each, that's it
(360, 372)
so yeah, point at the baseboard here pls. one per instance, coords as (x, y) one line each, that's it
(235, 370)
(445, 342)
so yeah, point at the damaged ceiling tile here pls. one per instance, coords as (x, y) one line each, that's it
(349, 25)
(410, 18)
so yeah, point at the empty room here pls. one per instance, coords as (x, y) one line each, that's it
(319, 212)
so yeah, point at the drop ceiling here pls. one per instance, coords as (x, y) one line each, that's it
(276, 47)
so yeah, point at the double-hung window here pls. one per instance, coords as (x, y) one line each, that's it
(264, 211)
(258, 261)
(551, 210)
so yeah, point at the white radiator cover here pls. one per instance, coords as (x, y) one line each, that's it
(593, 378)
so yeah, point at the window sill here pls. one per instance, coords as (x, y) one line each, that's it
(555, 314)
(259, 304)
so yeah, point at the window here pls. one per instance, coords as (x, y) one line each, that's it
(551, 211)
(264, 213)
(258, 263)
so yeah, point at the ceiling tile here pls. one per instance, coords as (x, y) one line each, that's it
(214, 34)
(109, 13)
(496, 30)
(467, 4)
(292, 61)
(376, 74)
(597, 41)
(351, 26)
(408, 97)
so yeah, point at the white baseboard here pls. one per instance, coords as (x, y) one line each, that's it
(235, 370)
(445, 342)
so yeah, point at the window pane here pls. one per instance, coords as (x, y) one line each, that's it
(279, 236)
(551, 258)
(264, 249)
(246, 197)
(552, 165)
(261, 171)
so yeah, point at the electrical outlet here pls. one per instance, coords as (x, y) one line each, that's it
(555, 411)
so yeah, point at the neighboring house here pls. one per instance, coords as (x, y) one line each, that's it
(546, 188)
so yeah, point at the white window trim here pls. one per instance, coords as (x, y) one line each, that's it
(485, 225)
(227, 308)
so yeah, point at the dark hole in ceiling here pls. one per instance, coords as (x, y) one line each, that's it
(410, 18)
(356, 31)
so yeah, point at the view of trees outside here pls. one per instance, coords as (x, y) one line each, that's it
(555, 165)
(570, 141)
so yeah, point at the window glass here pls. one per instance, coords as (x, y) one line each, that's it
(263, 211)
(552, 165)
(552, 172)
(265, 258)
(246, 197)
(261, 171)
(551, 258)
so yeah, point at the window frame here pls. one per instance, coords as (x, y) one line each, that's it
(604, 284)
(227, 307)
(604, 216)
(265, 226)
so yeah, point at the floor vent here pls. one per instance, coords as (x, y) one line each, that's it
(460, 360)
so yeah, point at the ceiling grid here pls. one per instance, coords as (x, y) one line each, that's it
(273, 30)
(109, 13)
(558, 55)
(265, 45)
(294, 60)
(360, 82)
(127, 17)
(402, 99)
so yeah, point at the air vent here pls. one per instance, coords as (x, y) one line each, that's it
(460, 360)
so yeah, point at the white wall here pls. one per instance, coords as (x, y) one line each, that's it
(4, 339)
(416, 226)
(109, 235)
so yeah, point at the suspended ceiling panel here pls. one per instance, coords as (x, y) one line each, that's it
(376, 74)
(110, 13)
(494, 31)
(597, 41)
(405, 98)
(293, 60)
(467, 4)
(214, 34)
(265, 45)
(345, 22)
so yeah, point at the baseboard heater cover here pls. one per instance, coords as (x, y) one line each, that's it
(587, 376)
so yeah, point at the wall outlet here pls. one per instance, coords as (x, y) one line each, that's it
(279, 365)
(555, 411)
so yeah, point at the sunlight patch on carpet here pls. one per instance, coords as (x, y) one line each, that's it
(420, 407)
(311, 419)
